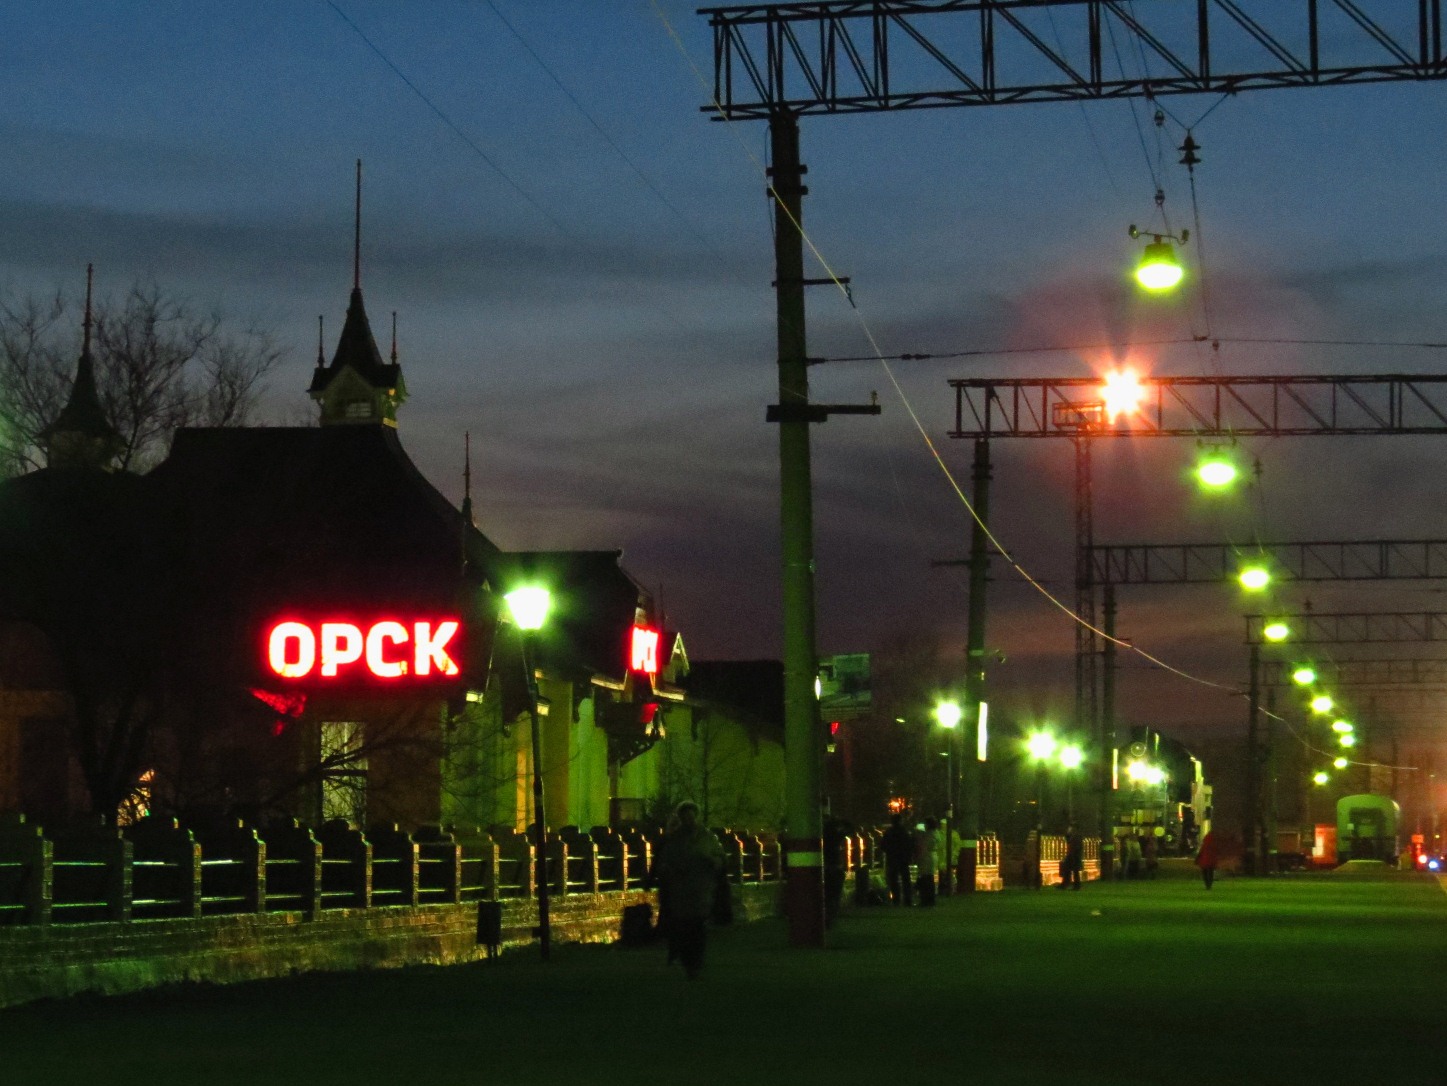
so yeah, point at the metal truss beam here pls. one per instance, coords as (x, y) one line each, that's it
(852, 56)
(1355, 673)
(1203, 563)
(1355, 628)
(1221, 407)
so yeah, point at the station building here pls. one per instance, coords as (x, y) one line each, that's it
(294, 622)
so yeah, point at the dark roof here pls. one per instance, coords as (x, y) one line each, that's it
(751, 691)
(358, 349)
(595, 604)
(317, 508)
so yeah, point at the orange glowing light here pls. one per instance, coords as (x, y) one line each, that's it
(294, 650)
(1122, 393)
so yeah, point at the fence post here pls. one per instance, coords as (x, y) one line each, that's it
(35, 853)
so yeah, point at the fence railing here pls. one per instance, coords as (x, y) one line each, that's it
(158, 868)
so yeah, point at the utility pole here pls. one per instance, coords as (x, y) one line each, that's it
(969, 768)
(1106, 741)
(803, 745)
(1250, 827)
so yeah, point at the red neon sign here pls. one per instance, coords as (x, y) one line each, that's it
(644, 650)
(387, 649)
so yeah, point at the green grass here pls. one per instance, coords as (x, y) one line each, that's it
(1304, 979)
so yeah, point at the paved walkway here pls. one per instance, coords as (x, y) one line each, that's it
(1308, 978)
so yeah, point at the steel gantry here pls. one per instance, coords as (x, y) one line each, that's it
(778, 62)
(1204, 563)
(852, 57)
(1300, 406)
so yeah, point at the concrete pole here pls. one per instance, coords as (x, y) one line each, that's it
(1252, 820)
(1272, 847)
(969, 770)
(1106, 736)
(540, 830)
(803, 745)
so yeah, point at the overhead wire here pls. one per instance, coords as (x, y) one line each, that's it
(446, 119)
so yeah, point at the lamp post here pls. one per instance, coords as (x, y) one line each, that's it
(948, 713)
(529, 608)
(1040, 745)
(1071, 757)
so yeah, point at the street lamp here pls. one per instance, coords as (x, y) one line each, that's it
(1041, 746)
(529, 608)
(948, 713)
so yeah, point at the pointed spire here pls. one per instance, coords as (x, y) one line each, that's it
(321, 340)
(358, 386)
(89, 282)
(394, 337)
(357, 235)
(81, 435)
(467, 477)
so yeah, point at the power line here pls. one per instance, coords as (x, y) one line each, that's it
(990, 352)
(449, 122)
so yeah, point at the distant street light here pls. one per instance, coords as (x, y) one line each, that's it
(529, 607)
(1254, 578)
(1276, 631)
(1215, 473)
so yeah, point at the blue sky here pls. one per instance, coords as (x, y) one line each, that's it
(581, 261)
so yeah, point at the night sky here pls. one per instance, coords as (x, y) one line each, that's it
(581, 261)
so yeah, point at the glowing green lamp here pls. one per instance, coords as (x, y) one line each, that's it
(1159, 270)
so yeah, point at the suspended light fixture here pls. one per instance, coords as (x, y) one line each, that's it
(1159, 269)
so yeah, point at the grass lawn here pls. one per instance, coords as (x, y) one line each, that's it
(1322, 979)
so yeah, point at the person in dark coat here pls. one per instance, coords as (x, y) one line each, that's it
(897, 845)
(686, 869)
(1206, 858)
(1073, 861)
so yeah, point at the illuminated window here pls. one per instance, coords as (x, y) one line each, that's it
(343, 771)
(138, 804)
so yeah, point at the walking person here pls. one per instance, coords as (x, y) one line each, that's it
(898, 847)
(926, 844)
(687, 866)
(1074, 860)
(1133, 856)
(1206, 858)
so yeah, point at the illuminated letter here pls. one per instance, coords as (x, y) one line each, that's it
(341, 644)
(289, 665)
(379, 666)
(431, 649)
(645, 650)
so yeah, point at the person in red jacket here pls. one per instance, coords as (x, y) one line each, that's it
(1206, 858)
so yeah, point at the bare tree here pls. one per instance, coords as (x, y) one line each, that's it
(161, 363)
